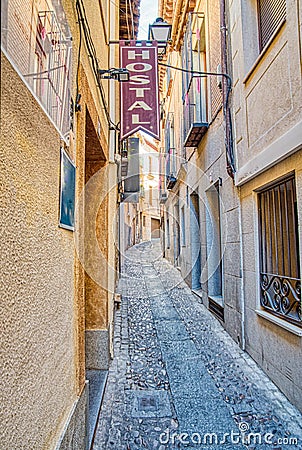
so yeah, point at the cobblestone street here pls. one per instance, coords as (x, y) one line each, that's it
(177, 379)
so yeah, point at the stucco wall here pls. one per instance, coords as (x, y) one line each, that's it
(37, 259)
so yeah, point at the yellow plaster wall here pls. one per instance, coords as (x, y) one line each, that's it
(43, 287)
(94, 218)
(37, 259)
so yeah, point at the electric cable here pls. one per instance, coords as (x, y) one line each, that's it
(84, 25)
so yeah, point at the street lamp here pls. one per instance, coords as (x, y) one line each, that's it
(121, 75)
(160, 31)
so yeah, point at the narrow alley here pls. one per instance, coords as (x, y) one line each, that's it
(177, 379)
(151, 231)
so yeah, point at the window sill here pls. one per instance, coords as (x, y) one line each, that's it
(263, 52)
(281, 323)
(197, 292)
(217, 299)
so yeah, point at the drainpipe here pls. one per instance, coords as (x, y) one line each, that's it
(229, 144)
(242, 303)
(226, 93)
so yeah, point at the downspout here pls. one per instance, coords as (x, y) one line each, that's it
(229, 144)
(226, 94)
(242, 303)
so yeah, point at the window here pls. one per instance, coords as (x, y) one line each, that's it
(214, 252)
(172, 163)
(183, 227)
(194, 86)
(170, 145)
(162, 172)
(271, 13)
(280, 283)
(67, 192)
(168, 233)
(150, 195)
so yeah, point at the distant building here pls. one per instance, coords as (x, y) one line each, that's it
(139, 209)
(149, 203)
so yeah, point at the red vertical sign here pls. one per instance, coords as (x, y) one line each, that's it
(139, 96)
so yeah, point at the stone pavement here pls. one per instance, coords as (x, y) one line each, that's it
(178, 381)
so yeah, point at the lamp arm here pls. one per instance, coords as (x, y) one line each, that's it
(198, 72)
(226, 102)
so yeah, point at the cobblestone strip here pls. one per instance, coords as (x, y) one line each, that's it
(137, 373)
(251, 397)
(175, 366)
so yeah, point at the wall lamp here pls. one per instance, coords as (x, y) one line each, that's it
(120, 75)
(160, 31)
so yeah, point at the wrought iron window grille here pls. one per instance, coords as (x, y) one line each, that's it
(280, 282)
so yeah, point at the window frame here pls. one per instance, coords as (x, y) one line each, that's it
(281, 280)
(263, 43)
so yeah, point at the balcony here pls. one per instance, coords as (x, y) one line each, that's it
(195, 134)
(171, 181)
(195, 124)
(171, 167)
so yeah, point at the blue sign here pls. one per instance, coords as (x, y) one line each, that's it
(67, 192)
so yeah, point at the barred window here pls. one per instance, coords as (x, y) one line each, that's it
(271, 13)
(280, 281)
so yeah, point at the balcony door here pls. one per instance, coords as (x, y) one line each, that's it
(195, 241)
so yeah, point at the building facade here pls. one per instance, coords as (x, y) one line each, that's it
(59, 227)
(149, 202)
(267, 99)
(231, 171)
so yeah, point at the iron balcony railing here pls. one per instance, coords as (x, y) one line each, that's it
(194, 108)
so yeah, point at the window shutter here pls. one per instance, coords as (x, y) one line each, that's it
(271, 13)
